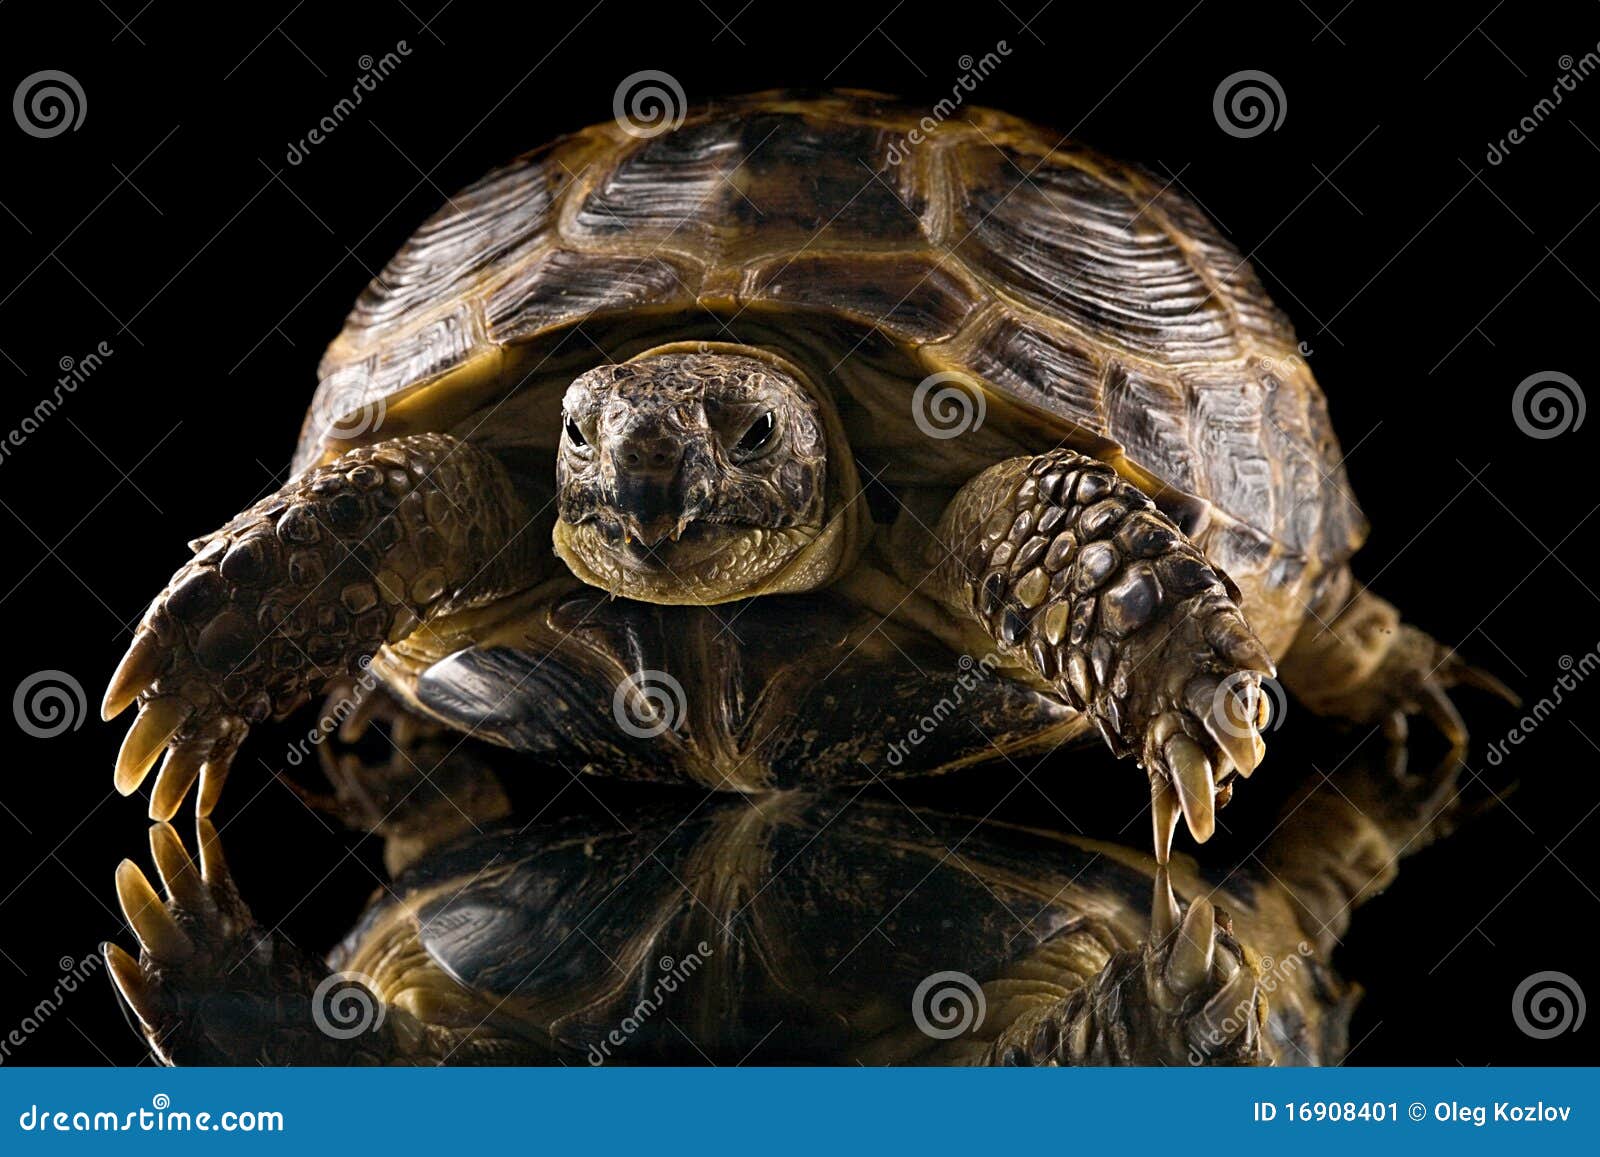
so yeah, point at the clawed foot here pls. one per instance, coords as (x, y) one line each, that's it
(1188, 996)
(1203, 992)
(300, 589)
(1197, 692)
(1076, 573)
(1416, 677)
(207, 976)
(1365, 665)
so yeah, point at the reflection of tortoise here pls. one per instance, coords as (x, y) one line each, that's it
(785, 928)
(1003, 397)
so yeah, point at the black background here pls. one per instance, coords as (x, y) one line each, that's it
(1426, 282)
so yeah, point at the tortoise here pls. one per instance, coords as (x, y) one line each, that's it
(627, 933)
(996, 403)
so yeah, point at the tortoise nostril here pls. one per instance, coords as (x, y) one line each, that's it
(655, 455)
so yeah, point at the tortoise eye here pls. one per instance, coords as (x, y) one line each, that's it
(757, 436)
(574, 434)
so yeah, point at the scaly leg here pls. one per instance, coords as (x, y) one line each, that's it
(1354, 659)
(304, 587)
(212, 987)
(1079, 578)
(1188, 996)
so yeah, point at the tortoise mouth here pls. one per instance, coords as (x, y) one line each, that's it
(666, 543)
(708, 562)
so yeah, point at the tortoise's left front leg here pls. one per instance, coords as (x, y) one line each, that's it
(1079, 578)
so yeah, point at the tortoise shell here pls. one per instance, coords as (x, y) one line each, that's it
(1087, 300)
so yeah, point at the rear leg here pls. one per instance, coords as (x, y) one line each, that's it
(1354, 659)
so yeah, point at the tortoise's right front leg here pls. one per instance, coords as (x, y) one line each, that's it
(1080, 579)
(304, 587)
(1189, 995)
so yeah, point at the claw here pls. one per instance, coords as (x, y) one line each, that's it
(1246, 751)
(179, 876)
(176, 777)
(1477, 677)
(152, 923)
(129, 979)
(1444, 715)
(1163, 816)
(212, 776)
(1234, 1001)
(1164, 911)
(158, 721)
(1190, 963)
(137, 671)
(1232, 718)
(213, 868)
(355, 724)
(1197, 789)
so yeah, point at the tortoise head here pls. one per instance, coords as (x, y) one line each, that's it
(697, 473)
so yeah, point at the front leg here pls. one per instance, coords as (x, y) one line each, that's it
(1078, 577)
(1189, 995)
(303, 588)
(211, 986)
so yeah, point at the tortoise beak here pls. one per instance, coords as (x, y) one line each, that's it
(653, 533)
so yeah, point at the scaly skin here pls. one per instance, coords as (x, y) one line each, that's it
(1186, 996)
(1078, 577)
(1355, 660)
(304, 587)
